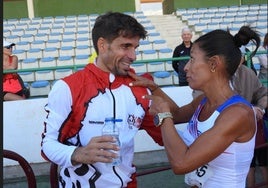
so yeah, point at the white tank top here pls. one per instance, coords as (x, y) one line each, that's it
(230, 168)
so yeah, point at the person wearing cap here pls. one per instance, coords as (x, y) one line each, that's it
(182, 50)
(9, 61)
(13, 86)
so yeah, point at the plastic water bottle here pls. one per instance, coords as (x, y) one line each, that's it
(110, 128)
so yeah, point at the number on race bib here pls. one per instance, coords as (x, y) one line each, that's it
(199, 176)
(201, 171)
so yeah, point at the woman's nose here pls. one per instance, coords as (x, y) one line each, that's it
(186, 67)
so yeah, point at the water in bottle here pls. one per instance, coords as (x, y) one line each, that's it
(110, 128)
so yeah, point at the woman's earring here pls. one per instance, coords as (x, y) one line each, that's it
(212, 70)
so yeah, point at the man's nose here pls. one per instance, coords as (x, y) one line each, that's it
(132, 54)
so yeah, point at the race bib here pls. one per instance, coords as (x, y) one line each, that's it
(199, 176)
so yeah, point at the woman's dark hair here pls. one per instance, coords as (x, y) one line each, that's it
(114, 24)
(220, 42)
(246, 34)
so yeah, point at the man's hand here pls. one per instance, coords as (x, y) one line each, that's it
(96, 151)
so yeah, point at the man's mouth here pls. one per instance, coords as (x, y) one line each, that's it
(126, 65)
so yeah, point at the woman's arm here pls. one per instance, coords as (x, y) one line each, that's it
(210, 144)
(180, 114)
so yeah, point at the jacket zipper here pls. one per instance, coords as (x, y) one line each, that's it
(114, 115)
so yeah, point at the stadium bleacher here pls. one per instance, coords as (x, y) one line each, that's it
(203, 20)
(66, 40)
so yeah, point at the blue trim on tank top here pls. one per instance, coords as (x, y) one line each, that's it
(232, 100)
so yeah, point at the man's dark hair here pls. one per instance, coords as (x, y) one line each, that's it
(114, 24)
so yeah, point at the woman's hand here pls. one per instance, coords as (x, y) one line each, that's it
(143, 81)
(158, 104)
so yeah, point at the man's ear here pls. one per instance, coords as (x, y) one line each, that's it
(101, 44)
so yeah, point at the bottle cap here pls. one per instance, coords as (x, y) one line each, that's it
(118, 120)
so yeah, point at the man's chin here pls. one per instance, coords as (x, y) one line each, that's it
(123, 73)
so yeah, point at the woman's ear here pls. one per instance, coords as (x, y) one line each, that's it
(214, 63)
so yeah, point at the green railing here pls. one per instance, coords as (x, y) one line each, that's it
(76, 67)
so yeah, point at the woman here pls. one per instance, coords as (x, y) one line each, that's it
(217, 147)
(13, 86)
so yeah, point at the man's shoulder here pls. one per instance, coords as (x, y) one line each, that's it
(180, 46)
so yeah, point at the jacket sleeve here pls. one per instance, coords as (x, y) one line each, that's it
(151, 129)
(253, 87)
(58, 109)
(175, 62)
(148, 125)
(260, 96)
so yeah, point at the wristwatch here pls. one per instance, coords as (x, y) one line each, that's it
(158, 118)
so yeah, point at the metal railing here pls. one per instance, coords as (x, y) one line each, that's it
(76, 67)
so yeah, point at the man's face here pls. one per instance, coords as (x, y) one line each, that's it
(117, 56)
(186, 36)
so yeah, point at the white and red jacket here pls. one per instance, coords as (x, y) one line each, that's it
(77, 106)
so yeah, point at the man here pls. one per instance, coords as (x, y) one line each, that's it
(181, 51)
(78, 105)
(13, 86)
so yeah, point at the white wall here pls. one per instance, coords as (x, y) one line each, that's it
(23, 126)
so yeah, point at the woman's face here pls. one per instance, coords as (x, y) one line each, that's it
(198, 70)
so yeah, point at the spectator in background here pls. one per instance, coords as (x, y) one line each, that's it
(263, 60)
(181, 51)
(78, 105)
(13, 85)
(245, 58)
(261, 154)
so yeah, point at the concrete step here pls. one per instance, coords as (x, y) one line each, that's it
(170, 27)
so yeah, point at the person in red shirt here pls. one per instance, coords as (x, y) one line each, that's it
(13, 86)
